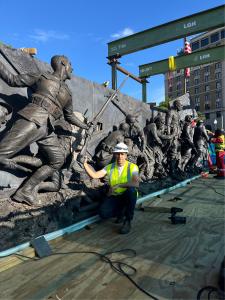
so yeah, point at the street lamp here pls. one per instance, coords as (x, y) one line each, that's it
(215, 123)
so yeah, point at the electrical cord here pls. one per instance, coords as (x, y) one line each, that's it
(211, 187)
(118, 266)
(210, 290)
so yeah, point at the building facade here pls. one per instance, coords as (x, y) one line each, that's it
(206, 84)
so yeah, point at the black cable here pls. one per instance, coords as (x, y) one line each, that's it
(209, 288)
(211, 187)
(210, 292)
(117, 266)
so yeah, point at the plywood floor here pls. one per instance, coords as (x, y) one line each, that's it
(173, 261)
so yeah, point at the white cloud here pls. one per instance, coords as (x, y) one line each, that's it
(46, 35)
(125, 32)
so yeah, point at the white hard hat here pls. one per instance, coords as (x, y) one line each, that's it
(120, 148)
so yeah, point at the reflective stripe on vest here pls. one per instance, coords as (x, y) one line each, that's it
(125, 176)
(220, 146)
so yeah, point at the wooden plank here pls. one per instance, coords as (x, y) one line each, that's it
(173, 261)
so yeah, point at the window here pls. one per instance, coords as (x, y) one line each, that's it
(196, 73)
(218, 75)
(218, 95)
(207, 88)
(204, 42)
(207, 106)
(197, 108)
(218, 85)
(214, 37)
(170, 89)
(195, 46)
(218, 65)
(206, 78)
(196, 81)
(222, 34)
(197, 100)
(178, 85)
(206, 97)
(178, 78)
(206, 69)
(218, 114)
(218, 103)
(187, 83)
(196, 90)
(207, 116)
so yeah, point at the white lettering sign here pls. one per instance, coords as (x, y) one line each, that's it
(190, 24)
(113, 49)
(204, 56)
(122, 46)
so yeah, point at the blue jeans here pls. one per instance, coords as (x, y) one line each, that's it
(119, 206)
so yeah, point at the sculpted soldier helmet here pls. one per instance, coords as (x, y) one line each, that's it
(124, 126)
(188, 119)
(57, 61)
(130, 119)
(158, 119)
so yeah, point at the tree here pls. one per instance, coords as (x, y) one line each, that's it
(165, 103)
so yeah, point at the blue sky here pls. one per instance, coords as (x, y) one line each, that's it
(81, 29)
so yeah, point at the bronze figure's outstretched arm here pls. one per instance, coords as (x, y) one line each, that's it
(21, 80)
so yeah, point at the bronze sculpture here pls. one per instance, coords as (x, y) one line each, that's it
(187, 144)
(50, 100)
(173, 126)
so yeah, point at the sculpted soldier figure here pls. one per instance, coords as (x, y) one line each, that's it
(201, 140)
(173, 127)
(187, 144)
(138, 157)
(135, 132)
(50, 100)
(105, 154)
(155, 142)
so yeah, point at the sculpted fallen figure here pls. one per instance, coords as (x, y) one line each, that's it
(51, 100)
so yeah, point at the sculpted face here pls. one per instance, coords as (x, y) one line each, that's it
(69, 70)
(178, 105)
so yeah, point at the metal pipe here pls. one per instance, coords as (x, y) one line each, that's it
(144, 91)
(124, 71)
(114, 75)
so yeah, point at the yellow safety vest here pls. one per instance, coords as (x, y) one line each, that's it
(220, 146)
(125, 176)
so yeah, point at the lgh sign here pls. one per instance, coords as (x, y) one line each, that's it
(190, 24)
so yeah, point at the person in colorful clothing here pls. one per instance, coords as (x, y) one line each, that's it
(219, 141)
(123, 179)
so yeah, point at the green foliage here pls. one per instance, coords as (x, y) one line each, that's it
(165, 104)
(3, 44)
(201, 116)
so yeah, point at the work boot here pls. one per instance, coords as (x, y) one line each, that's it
(126, 227)
(119, 219)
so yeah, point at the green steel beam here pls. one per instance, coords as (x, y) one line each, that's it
(194, 59)
(186, 26)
